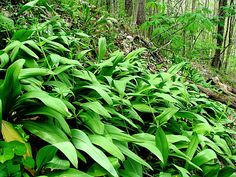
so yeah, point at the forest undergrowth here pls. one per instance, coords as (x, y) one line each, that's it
(73, 104)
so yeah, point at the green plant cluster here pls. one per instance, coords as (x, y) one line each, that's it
(89, 110)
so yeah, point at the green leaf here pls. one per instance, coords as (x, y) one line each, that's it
(58, 164)
(102, 47)
(28, 6)
(162, 144)
(69, 173)
(32, 72)
(134, 53)
(166, 115)
(1, 113)
(28, 51)
(176, 68)
(97, 108)
(223, 144)
(204, 157)
(227, 171)
(48, 100)
(82, 142)
(44, 155)
(11, 46)
(22, 35)
(4, 59)
(93, 121)
(148, 141)
(183, 171)
(102, 91)
(10, 88)
(143, 108)
(192, 147)
(132, 155)
(59, 59)
(117, 134)
(47, 111)
(55, 137)
(107, 145)
(55, 45)
(132, 169)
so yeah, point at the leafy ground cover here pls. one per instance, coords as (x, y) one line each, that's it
(73, 105)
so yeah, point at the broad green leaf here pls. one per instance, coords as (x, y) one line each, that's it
(192, 147)
(97, 170)
(223, 144)
(44, 155)
(132, 168)
(48, 100)
(166, 115)
(34, 72)
(107, 145)
(143, 108)
(227, 171)
(176, 138)
(102, 91)
(102, 47)
(121, 116)
(55, 137)
(183, 171)
(10, 88)
(93, 121)
(28, 6)
(163, 174)
(58, 164)
(1, 114)
(151, 146)
(132, 155)
(59, 59)
(32, 44)
(204, 157)
(211, 144)
(96, 107)
(47, 111)
(4, 59)
(82, 142)
(68, 173)
(28, 51)
(117, 134)
(176, 68)
(55, 45)
(148, 141)
(11, 46)
(134, 53)
(162, 144)
(61, 69)
(86, 75)
(22, 35)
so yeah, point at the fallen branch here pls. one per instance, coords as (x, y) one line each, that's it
(223, 98)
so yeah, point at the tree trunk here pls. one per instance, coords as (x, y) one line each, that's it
(217, 62)
(141, 15)
(193, 5)
(231, 26)
(129, 7)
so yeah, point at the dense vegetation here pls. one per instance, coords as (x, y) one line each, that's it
(73, 104)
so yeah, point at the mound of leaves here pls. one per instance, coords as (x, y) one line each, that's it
(70, 109)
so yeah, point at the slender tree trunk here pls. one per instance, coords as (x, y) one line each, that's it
(193, 5)
(141, 15)
(217, 62)
(231, 26)
(129, 7)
